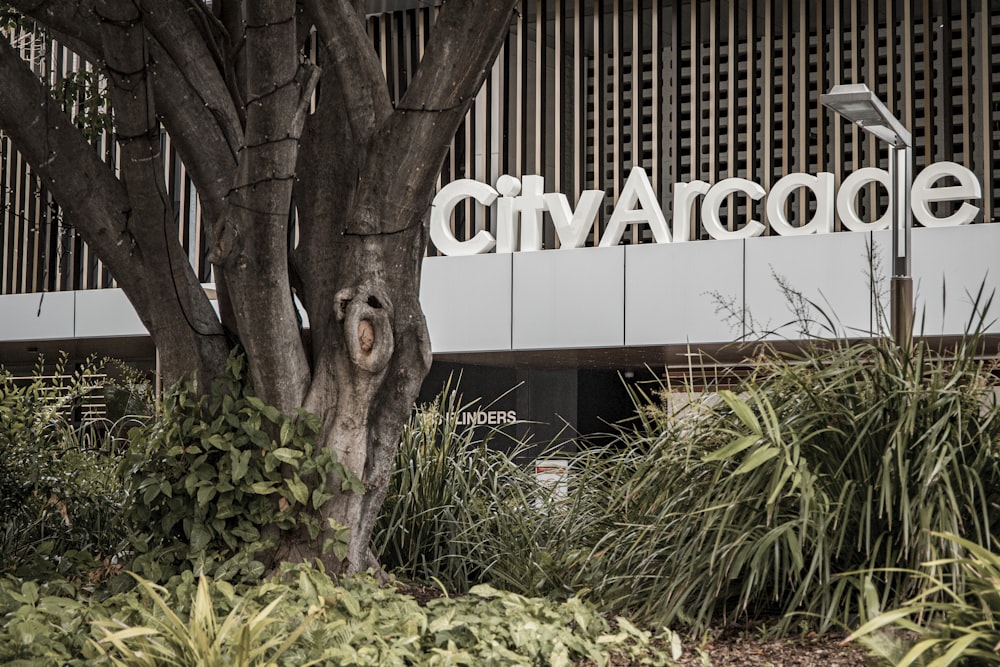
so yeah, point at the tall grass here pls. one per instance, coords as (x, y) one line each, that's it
(825, 471)
(448, 482)
(818, 481)
(462, 509)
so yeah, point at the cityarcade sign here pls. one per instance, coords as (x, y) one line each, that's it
(521, 205)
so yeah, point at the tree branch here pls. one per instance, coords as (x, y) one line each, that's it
(98, 206)
(258, 208)
(462, 47)
(71, 23)
(171, 23)
(360, 84)
(91, 197)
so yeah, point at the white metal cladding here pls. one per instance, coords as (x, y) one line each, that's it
(653, 295)
(713, 292)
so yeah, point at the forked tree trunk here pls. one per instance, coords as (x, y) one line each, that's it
(229, 82)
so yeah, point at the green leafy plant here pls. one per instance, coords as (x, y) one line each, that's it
(302, 617)
(43, 623)
(217, 473)
(950, 622)
(60, 496)
(241, 639)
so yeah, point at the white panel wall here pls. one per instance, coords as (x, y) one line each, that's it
(467, 302)
(106, 312)
(569, 298)
(645, 295)
(683, 292)
(46, 316)
(948, 266)
(831, 271)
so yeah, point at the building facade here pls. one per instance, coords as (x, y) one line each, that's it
(726, 203)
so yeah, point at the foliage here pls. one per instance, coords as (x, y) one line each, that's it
(819, 481)
(460, 510)
(60, 496)
(303, 617)
(10, 19)
(951, 622)
(217, 471)
(828, 471)
(83, 95)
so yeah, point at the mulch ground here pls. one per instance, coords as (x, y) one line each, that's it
(732, 647)
(745, 649)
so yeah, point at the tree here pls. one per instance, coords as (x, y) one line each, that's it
(264, 131)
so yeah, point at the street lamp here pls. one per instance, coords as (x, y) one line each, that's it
(859, 105)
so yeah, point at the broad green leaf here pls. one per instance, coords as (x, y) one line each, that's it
(241, 463)
(286, 455)
(756, 459)
(263, 488)
(200, 537)
(287, 431)
(733, 448)
(299, 489)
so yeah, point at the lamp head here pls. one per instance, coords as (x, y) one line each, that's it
(859, 105)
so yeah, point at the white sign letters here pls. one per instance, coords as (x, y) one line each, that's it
(522, 205)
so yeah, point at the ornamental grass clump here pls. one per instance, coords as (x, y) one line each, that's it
(450, 486)
(824, 474)
(950, 622)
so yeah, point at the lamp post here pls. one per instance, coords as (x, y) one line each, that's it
(859, 105)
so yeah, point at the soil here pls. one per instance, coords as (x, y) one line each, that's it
(731, 647)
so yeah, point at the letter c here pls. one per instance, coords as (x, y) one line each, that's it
(442, 207)
(713, 202)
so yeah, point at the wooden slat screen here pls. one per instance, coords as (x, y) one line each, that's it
(583, 90)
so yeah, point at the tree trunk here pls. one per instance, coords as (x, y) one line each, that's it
(233, 85)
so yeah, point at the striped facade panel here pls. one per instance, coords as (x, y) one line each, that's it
(41, 252)
(585, 90)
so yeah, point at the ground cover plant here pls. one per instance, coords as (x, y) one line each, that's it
(303, 617)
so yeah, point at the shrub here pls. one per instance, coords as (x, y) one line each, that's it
(214, 478)
(827, 470)
(60, 496)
